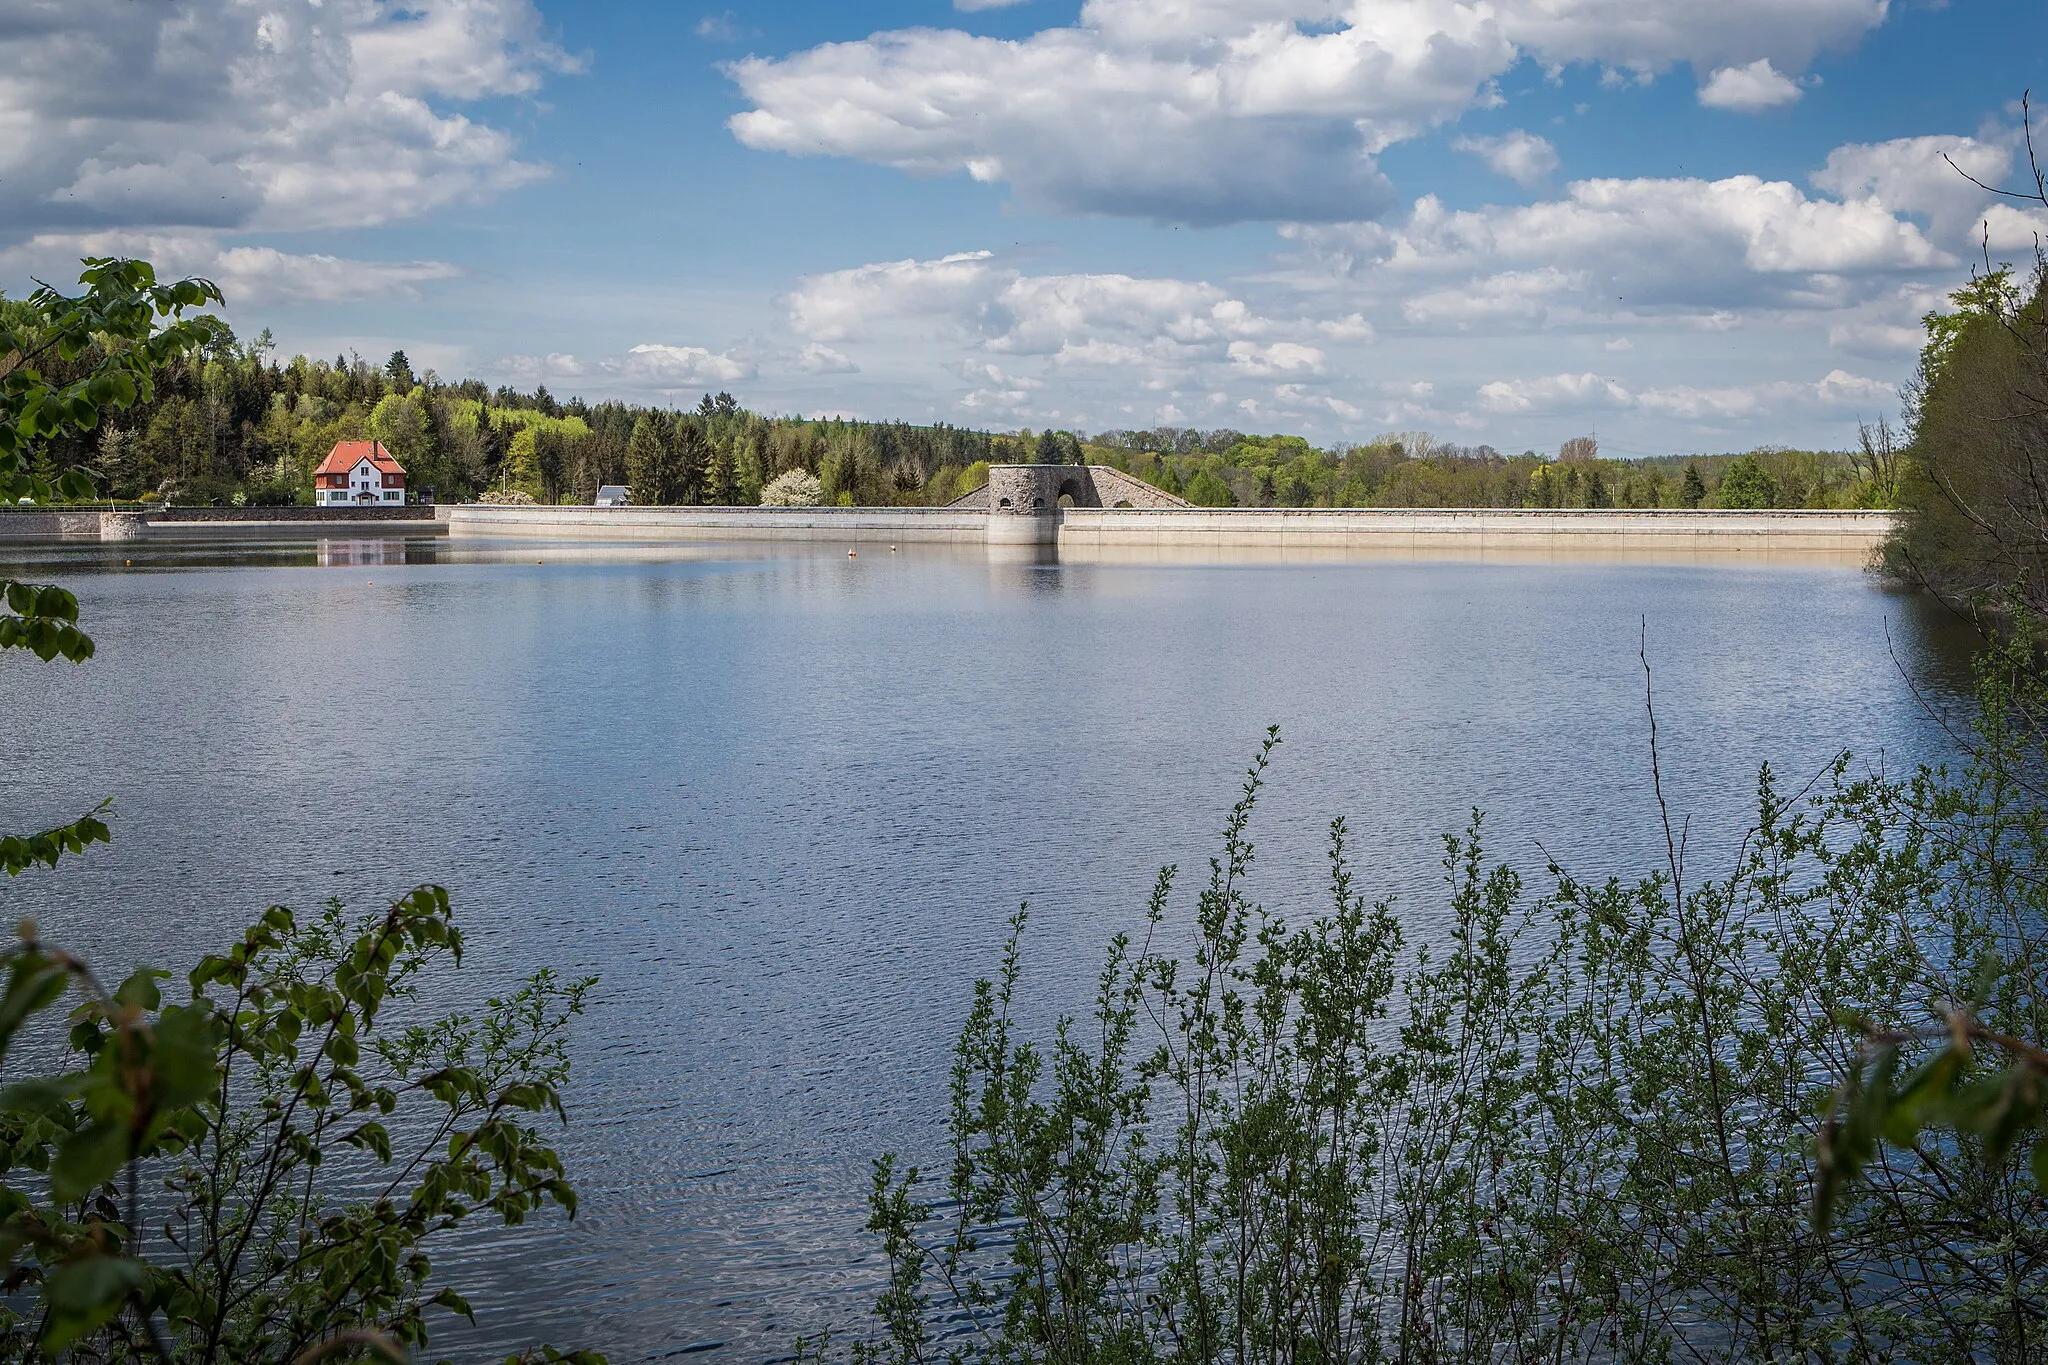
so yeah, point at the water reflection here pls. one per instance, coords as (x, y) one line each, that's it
(783, 802)
(357, 554)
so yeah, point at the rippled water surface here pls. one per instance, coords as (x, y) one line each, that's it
(783, 806)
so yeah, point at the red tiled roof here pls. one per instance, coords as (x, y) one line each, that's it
(346, 455)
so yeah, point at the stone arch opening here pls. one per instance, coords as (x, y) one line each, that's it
(1004, 503)
(1066, 499)
(1123, 502)
(1073, 493)
(1037, 504)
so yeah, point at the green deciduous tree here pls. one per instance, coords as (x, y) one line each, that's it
(1746, 486)
(521, 470)
(1207, 489)
(1970, 491)
(749, 474)
(114, 338)
(1971, 485)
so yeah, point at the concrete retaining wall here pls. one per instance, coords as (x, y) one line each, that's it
(1077, 533)
(277, 515)
(1332, 533)
(89, 524)
(853, 525)
(51, 523)
(1198, 533)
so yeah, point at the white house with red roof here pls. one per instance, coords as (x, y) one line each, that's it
(358, 474)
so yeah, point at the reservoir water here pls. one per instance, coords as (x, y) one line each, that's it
(783, 804)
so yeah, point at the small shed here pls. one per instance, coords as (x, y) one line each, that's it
(614, 495)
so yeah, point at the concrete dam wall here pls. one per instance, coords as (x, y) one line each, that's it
(1068, 511)
(1077, 513)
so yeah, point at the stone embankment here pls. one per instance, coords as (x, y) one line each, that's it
(66, 523)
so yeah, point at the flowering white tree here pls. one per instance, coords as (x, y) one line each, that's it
(793, 488)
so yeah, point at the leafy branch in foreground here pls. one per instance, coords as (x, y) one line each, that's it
(112, 340)
(280, 1081)
(126, 325)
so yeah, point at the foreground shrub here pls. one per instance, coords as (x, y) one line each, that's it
(258, 1171)
(1586, 1124)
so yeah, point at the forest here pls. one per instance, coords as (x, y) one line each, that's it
(233, 424)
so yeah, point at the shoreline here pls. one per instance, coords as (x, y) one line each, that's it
(1094, 535)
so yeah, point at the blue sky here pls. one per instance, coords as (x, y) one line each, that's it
(1689, 226)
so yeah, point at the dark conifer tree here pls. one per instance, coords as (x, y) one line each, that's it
(1693, 491)
(692, 459)
(647, 461)
(718, 478)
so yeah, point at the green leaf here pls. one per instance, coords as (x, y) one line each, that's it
(187, 1047)
(140, 989)
(86, 1160)
(87, 1294)
(33, 987)
(39, 1098)
(454, 1303)
(371, 1137)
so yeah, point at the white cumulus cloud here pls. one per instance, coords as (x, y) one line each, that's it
(222, 114)
(255, 275)
(1212, 111)
(817, 358)
(1522, 157)
(250, 277)
(1749, 89)
(1279, 357)
(1629, 248)
(985, 302)
(686, 366)
(1552, 392)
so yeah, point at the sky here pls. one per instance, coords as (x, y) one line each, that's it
(1683, 225)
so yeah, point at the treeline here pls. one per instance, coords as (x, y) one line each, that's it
(236, 424)
(1413, 469)
(1973, 492)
